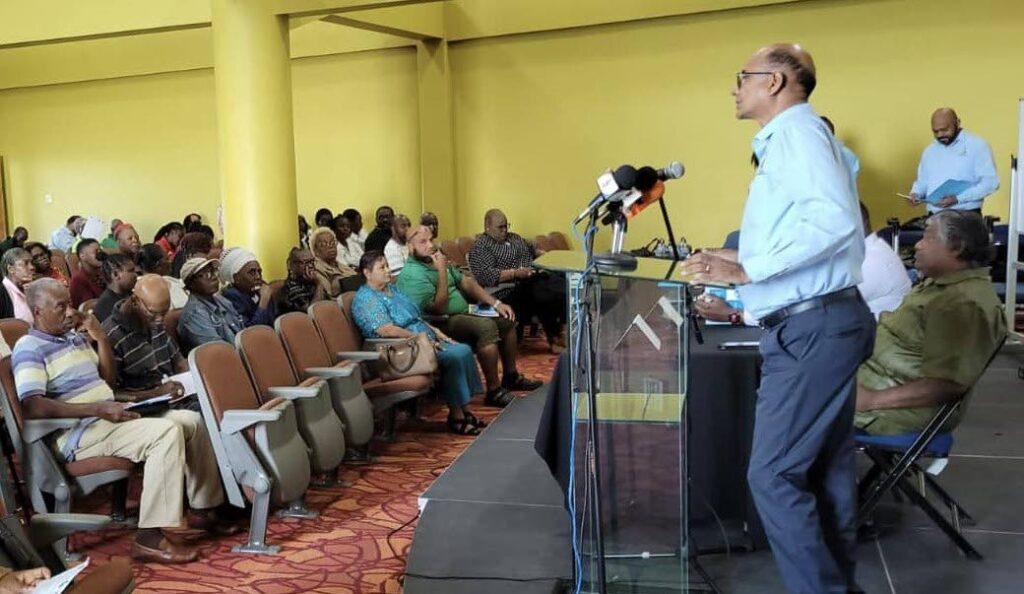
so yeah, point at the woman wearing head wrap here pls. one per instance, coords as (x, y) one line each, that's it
(334, 278)
(245, 288)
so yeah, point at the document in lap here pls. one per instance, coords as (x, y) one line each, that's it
(950, 187)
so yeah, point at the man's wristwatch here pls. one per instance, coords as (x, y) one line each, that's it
(736, 318)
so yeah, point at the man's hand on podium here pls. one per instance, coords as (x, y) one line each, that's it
(704, 267)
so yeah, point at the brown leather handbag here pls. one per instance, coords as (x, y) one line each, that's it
(405, 357)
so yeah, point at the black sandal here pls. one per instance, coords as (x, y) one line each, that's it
(473, 419)
(462, 426)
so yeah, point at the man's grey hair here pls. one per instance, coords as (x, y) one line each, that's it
(36, 290)
(964, 232)
(10, 257)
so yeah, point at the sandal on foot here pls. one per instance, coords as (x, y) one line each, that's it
(476, 422)
(462, 426)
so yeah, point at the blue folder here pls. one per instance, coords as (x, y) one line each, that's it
(950, 187)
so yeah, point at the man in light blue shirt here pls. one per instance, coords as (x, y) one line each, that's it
(849, 157)
(798, 264)
(64, 237)
(955, 154)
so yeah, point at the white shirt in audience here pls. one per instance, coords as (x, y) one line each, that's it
(179, 296)
(396, 254)
(360, 238)
(350, 252)
(885, 282)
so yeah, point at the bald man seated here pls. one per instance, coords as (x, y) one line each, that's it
(502, 262)
(58, 374)
(956, 154)
(144, 353)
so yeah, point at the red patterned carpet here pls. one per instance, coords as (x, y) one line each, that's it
(357, 545)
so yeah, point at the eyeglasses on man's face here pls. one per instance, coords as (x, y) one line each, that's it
(743, 74)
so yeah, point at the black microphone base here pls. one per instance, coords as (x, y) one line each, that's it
(619, 261)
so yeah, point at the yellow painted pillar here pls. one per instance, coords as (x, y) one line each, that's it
(437, 144)
(252, 72)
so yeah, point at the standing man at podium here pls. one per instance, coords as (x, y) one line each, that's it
(800, 253)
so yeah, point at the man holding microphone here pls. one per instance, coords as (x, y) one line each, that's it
(798, 264)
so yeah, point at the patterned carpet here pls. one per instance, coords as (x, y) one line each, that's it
(357, 545)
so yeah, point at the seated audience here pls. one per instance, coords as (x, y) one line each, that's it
(499, 257)
(936, 345)
(381, 310)
(349, 249)
(88, 281)
(192, 222)
(396, 251)
(207, 316)
(109, 242)
(168, 238)
(143, 351)
(153, 260)
(128, 243)
(334, 278)
(884, 283)
(429, 220)
(120, 274)
(301, 289)
(58, 374)
(242, 277)
(355, 219)
(16, 239)
(18, 273)
(64, 237)
(438, 288)
(323, 217)
(42, 264)
(303, 232)
(192, 244)
(378, 239)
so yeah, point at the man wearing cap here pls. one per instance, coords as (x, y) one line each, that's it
(245, 288)
(57, 374)
(207, 316)
(128, 243)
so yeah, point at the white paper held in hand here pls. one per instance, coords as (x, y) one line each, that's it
(61, 581)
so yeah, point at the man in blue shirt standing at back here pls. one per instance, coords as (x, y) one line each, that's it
(956, 154)
(798, 264)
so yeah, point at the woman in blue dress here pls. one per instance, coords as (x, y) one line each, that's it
(381, 310)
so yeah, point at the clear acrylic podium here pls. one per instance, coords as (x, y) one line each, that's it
(641, 333)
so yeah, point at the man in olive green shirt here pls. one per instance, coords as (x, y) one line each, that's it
(438, 288)
(938, 342)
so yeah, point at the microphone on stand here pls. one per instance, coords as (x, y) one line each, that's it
(651, 182)
(614, 186)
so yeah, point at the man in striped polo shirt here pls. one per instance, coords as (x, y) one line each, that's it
(58, 374)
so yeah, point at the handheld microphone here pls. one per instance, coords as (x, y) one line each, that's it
(611, 185)
(651, 182)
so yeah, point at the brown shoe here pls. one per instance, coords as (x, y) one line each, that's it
(165, 552)
(210, 522)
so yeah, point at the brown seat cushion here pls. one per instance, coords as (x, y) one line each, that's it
(376, 388)
(98, 464)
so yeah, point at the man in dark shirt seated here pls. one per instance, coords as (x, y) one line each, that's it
(144, 354)
(438, 288)
(245, 288)
(502, 258)
(300, 289)
(381, 234)
(936, 345)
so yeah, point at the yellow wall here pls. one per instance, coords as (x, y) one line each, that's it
(144, 148)
(538, 116)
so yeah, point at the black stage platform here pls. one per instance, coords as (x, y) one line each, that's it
(494, 521)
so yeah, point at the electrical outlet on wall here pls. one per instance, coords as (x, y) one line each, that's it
(48, 198)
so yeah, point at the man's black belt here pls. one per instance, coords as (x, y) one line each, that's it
(776, 317)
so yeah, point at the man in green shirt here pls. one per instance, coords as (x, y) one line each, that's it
(438, 288)
(936, 345)
(110, 242)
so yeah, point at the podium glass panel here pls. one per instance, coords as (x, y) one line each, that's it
(640, 331)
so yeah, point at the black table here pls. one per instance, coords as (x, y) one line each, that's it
(721, 403)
